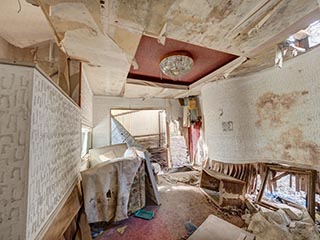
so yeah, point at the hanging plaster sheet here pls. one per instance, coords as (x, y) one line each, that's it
(106, 189)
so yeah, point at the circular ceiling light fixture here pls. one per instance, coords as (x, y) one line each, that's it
(176, 64)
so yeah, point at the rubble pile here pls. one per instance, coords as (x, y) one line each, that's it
(283, 224)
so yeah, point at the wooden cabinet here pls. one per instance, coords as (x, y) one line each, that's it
(224, 190)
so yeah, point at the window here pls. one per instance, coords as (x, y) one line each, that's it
(314, 31)
(85, 140)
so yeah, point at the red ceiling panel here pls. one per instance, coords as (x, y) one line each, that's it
(150, 53)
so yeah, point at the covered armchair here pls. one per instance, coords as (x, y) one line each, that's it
(114, 185)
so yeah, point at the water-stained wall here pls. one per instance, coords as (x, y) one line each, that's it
(268, 116)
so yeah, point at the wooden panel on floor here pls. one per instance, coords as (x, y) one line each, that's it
(216, 228)
(151, 184)
(311, 193)
(83, 232)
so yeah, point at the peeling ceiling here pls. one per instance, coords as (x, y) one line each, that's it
(105, 34)
(22, 24)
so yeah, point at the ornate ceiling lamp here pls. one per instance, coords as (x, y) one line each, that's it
(176, 64)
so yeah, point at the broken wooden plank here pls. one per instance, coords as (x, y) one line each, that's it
(65, 216)
(252, 12)
(291, 29)
(265, 18)
(278, 177)
(311, 194)
(169, 160)
(154, 84)
(263, 185)
(221, 72)
(223, 189)
(151, 185)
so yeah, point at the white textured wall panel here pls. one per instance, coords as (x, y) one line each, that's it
(275, 115)
(86, 101)
(54, 152)
(39, 150)
(15, 107)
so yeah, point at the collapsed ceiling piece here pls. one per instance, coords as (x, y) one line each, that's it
(298, 43)
(105, 34)
(79, 30)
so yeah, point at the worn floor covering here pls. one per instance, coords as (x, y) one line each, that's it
(180, 203)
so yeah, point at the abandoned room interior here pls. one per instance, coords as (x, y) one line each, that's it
(171, 119)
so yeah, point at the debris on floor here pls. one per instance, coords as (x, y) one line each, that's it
(183, 168)
(96, 229)
(191, 178)
(179, 151)
(156, 168)
(180, 203)
(121, 230)
(283, 224)
(190, 227)
(144, 214)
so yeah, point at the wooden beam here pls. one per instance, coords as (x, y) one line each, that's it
(252, 12)
(221, 72)
(125, 113)
(147, 135)
(263, 185)
(154, 84)
(312, 177)
(281, 175)
(265, 18)
(169, 160)
(290, 169)
(291, 29)
(151, 185)
(46, 9)
(311, 194)
(123, 90)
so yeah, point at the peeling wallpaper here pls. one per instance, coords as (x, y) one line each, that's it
(271, 116)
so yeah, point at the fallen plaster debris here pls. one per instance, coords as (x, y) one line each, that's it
(121, 230)
(190, 178)
(278, 225)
